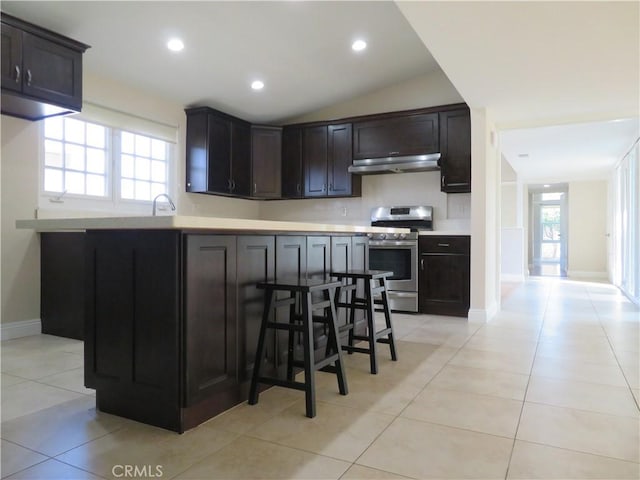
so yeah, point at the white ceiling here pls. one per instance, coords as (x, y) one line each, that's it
(550, 74)
(563, 153)
(301, 50)
(570, 67)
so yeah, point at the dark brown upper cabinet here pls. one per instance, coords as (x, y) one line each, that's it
(396, 136)
(41, 71)
(266, 159)
(292, 179)
(326, 157)
(218, 153)
(455, 148)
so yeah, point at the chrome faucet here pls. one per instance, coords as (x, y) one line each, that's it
(155, 201)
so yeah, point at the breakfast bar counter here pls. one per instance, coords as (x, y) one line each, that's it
(170, 307)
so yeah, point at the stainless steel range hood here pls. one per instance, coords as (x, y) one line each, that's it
(410, 163)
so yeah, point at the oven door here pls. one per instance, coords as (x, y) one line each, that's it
(399, 257)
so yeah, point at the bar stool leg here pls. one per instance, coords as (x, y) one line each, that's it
(352, 313)
(335, 339)
(253, 390)
(309, 371)
(371, 326)
(387, 318)
(291, 343)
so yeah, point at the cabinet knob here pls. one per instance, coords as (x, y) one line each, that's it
(233, 184)
(17, 70)
(188, 184)
(28, 77)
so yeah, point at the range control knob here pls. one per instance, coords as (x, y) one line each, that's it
(383, 236)
(403, 236)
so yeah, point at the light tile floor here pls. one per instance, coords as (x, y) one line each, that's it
(547, 389)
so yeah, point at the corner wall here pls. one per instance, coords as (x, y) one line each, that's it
(587, 219)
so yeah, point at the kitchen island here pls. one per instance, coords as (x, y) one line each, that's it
(171, 311)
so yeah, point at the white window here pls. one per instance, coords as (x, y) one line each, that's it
(89, 165)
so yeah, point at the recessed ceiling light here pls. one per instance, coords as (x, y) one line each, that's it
(523, 155)
(359, 45)
(175, 45)
(257, 85)
(546, 185)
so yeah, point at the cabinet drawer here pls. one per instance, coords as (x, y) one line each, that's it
(446, 244)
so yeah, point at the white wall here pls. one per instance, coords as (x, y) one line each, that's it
(485, 217)
(587, 245)
(20, 251)
(425, 91)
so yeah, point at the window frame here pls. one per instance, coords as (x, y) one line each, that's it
(112, 202)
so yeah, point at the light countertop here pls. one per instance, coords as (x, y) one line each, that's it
(183, 222)
(445, 233)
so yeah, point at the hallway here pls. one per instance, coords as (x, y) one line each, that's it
(547, 389)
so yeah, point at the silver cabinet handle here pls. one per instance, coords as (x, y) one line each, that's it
(331, 186)
(442, 181)
(298, 187)
(255, 188)
(443, 244)
(17, 70)
(324, 187)
(29, 77)
(394, 153)
(233, 184)
(229, 183)
(422, 264)
(188, 184)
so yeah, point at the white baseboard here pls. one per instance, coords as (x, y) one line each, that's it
(512, 277)
(23, 328)
(482, 315)
(585, 274)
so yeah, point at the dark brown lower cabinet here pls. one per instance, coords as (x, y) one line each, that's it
(210, 322)
(256, 263)
(444, 275)
(172, 317)
(62, 284)
(132, 324)
(341, 260)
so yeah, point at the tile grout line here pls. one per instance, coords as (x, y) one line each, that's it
(635, 400)
(526, 390)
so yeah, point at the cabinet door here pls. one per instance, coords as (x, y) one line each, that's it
(314, 157)
(240, 158)
(396, 136)
(318, 266)
(51, 72)
(455, 144)
(210, 328)
(360, 261)
(256, 263)
(266, 159)
(444, 275)
(11, 58)
(341, 260)
(132, 349)
(339, 159)
(291, 261)
(292, 162)
(219, 148)
(62, 283)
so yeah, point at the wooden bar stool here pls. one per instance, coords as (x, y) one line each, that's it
(374, 282)
(301, 289)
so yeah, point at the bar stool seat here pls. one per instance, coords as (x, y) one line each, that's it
(374, 283)
(301, 290)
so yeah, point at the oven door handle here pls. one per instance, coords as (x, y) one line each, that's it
(392, 243)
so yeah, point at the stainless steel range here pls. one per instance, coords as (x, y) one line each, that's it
(398, 252)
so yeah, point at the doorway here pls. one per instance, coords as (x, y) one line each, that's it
(548, 230)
